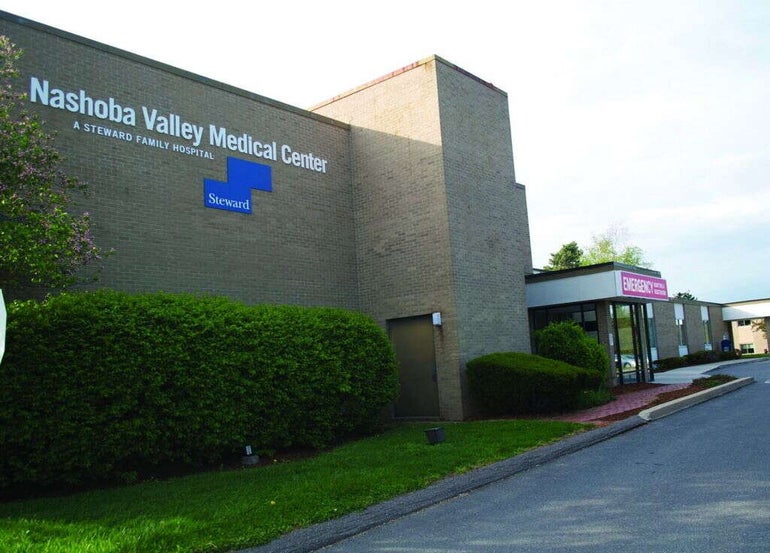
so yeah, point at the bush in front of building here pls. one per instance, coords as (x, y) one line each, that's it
(515, 383)
(107, 386)
(695, 358)
(566, 341)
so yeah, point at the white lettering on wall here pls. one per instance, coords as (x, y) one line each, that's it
(245, 143)
(172, 125)
(305, 161)
(80, 102)
(164, 123)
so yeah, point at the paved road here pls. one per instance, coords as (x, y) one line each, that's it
(696, 481)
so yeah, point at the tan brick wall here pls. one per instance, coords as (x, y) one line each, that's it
(718, 327)
(297, 246)
(696, 335)
(404, 261)
(418, 210)
(441, 223)
(668, 345)
(489, 230)
(668, 342)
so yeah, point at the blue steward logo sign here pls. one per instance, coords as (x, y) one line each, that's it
(235, 194)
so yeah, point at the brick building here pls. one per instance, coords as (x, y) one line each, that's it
(398, 199)
(628, 310)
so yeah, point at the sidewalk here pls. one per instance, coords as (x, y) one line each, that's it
(688, 374)
(669, 381)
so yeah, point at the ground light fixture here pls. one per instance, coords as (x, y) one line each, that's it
(249, 459)
(435, 435)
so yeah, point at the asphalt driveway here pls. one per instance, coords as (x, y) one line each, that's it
(696, 480)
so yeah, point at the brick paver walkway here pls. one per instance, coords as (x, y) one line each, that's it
(624, 402)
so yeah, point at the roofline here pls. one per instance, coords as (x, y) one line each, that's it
(167, 68)
(747, 302)
(405, 69)
(591, 269)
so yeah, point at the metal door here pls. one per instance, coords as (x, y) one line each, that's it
(412, 340)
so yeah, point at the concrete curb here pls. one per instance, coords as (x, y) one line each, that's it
(313, 538)
(660, 411)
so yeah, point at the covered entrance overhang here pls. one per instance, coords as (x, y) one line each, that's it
(755, 313)
(617, 299)
(754, 309)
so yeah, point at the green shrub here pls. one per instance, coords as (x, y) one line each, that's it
(669, 363)
(729, 355)
(514, 383)
(702, 357)
(108, 386)
(595, 398)
(566, 341)
(713, 380)
(695, 358)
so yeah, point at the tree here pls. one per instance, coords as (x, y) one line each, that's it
(41, 243)
(568, 257)
(612, 246)
(685, 296)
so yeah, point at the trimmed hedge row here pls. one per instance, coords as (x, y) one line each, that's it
(108, 386)
(695, 358)
(513, 383)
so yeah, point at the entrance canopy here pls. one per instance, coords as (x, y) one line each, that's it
(606, 281)
(755, 309)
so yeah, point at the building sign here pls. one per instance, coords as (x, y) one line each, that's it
(235, 193)
(642, 286)
(111, 118)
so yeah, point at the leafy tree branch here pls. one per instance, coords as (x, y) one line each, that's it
(41, 242)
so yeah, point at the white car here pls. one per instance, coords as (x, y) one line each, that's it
(628, 360)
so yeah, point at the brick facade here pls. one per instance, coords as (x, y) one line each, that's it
(667, 333)
(409, 204)
(442, 222)
(146, 202)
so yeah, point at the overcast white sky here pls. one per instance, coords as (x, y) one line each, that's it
(652, 115)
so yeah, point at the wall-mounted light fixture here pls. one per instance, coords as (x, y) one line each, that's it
(437, 318)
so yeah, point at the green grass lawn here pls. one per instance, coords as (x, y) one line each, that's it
(219, 511)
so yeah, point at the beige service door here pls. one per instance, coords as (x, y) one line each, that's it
(412, 339)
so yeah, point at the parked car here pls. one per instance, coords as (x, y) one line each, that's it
(628, 360)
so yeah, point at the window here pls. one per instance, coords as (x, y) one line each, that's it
(744, 322)
(583, 314)
(680, 328)
(681, 332)
(704, 314)
(747, 348)
(653, 330)
(707, 335)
